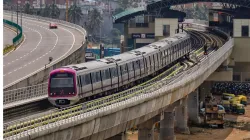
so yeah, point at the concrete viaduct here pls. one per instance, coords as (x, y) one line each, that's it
(110, 122)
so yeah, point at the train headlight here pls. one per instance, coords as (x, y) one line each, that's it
(73, 93)
(51, 93)
(69, 93)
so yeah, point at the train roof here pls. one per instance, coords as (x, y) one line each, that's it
(130, 55)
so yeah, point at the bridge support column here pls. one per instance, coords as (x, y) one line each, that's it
(121, 136)
(145, 131)
(193, 107)
(205, 90)
(167, 125)
(182, 117)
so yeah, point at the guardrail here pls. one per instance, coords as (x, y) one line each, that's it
(79, 113)
(53, 64)
(16, 40)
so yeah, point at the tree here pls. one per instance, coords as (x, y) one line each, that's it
(94, 20)
(115, 34)
(54, 11)
(46, 11)
(27, 9)
(75, 13)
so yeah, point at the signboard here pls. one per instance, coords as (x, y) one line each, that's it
(147, 35)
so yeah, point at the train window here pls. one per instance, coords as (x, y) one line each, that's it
(149, 61)
(107, 74)
(130, 66)
(103, 75)
(98, 76)
(113, 72)
(86, 79)
(146, 64)
(141, 63)
(119, 71)
(93, 77)
(135, 65)
(124, 69)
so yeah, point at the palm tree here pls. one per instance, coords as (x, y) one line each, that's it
(75, 13)
(94, 20)
(54, 11)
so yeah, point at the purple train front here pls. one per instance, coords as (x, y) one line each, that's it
(62, 88)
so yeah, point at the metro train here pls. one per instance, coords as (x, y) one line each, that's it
(70, 84)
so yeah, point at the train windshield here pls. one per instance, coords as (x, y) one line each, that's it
(61, 84)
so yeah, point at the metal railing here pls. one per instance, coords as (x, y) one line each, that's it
(61, 22)
(25, 93)
(79, 113)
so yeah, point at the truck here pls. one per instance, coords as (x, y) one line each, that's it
(214, 115)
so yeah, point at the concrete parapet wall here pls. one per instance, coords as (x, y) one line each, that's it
(116, 118)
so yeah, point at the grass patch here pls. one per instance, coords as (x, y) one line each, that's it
(8, 48)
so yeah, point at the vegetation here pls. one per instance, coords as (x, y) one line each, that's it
(27, 9)
(94, 21)
(54, 11)
(75, 13)
(115, 35)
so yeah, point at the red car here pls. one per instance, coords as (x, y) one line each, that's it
(52, 26)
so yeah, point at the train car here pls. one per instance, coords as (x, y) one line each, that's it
(69, 84)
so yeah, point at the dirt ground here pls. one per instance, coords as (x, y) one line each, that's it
(198, 133)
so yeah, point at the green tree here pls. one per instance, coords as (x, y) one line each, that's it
(75, 13)
(27, 9)
(46, 11)
(115, 35)
(94, 21)
(54, 11)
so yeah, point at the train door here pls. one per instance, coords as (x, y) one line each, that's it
(86, 84)
(106, 81)
(96, 81)
(114, 77)
(124, 73)
(131, 71)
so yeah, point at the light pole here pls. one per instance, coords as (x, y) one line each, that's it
(50, 60)
(11, 13)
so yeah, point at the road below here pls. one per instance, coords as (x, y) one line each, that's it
(39, 44)
(8, 35)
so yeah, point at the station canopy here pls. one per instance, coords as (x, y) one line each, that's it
(127, 14)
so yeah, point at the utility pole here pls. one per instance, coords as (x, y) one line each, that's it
(17, 15)
(74, 11)
(22, 16)
(67, 10)
(11, 13)
(40, 7)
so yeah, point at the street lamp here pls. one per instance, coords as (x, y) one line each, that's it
(50, 60)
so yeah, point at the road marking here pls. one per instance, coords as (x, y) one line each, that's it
(63, 25)
(38, 45)
(32, 49)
